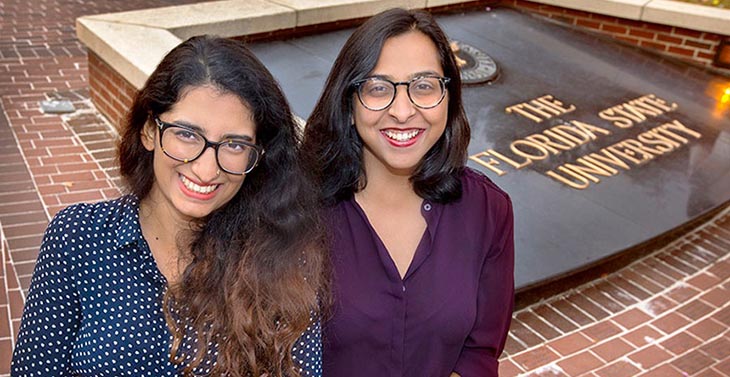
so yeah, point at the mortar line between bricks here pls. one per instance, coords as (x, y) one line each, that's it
(658, 342)
(681, 261)
(111, 130)
(664, 263)
(560, 313)
(701, 254)
(653, 280)
(638, 306)
(655, 342)
(638, 286)
(726, 233)
(712, 243)
(606, 295)
(726, 211)
(629, 294)
(25, 159)
(5, 262)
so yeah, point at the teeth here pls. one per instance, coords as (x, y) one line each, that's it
(401, 135)
(190, 185)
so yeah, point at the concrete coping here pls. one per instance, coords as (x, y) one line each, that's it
(134, 42)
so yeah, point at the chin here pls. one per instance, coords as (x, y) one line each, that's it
(195, 212)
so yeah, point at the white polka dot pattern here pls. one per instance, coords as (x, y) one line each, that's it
(94, 306)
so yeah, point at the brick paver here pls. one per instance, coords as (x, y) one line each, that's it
(667, 314)
(671, 322)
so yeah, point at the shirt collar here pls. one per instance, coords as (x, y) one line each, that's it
(128, 229)
(431, 212)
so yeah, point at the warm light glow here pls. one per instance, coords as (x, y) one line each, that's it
(719, 89)
(726, 97)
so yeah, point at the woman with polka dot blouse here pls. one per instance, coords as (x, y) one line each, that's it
(212, 264)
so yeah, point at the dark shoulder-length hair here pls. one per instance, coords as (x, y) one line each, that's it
(256, 264)
(332, 148)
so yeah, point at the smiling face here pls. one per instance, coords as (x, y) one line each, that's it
(398, 137)
(195, 189)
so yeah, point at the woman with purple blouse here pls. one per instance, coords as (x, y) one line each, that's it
(422, 247)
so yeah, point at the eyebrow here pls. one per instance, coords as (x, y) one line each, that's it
(200, 130)
(414, 75)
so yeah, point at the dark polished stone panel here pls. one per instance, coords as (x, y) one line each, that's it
(559, 228)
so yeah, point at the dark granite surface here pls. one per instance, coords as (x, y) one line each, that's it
(558, 228)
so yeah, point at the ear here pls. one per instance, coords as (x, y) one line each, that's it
(147, 135)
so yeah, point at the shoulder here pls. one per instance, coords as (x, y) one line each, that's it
(487, 210)
(479, 189)
(339, 208)
(103, 211)
(87, 218)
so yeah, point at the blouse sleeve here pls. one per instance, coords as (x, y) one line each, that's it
(52, 313)
(495, 301)
(307, 351)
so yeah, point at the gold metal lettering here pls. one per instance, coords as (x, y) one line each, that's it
(548, 144)
(662, 144)
(625, 153)
(540, 108)
(635, 111)
(566, 130)
(623, 110)
(563, 139)
(678, 126)
(588, 170)
(660, 103)
(509, 160)
(600, 164)
(580, 182)
(608, 157)
(639, 148)
(552, 101)
(643, 107)
(587, 128)
(543, 152)
(489, 164)
(618, 121)
(518, 109)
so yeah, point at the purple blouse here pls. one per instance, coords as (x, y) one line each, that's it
(452, 310)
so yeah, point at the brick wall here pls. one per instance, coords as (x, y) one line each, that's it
(689, 45)
(110, 92)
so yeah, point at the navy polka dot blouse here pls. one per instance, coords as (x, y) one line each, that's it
(94, 306)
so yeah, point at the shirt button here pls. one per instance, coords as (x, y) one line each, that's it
(427, 206)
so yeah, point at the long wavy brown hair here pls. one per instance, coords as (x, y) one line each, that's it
(257, 265)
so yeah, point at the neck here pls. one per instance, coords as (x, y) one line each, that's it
(156, 224)
(161, 227)
(159, 220)
(391, 187)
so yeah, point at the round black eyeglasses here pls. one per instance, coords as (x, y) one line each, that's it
(377, 93)
(233, 156)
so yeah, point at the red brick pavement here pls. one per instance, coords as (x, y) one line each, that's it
(664, 315)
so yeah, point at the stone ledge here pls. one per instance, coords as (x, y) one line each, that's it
(630, 9)
(312, 12)
(117, 37)
(665, 12)
(690, 16)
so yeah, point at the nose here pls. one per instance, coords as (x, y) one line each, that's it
(206, 167)
(401, 109)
